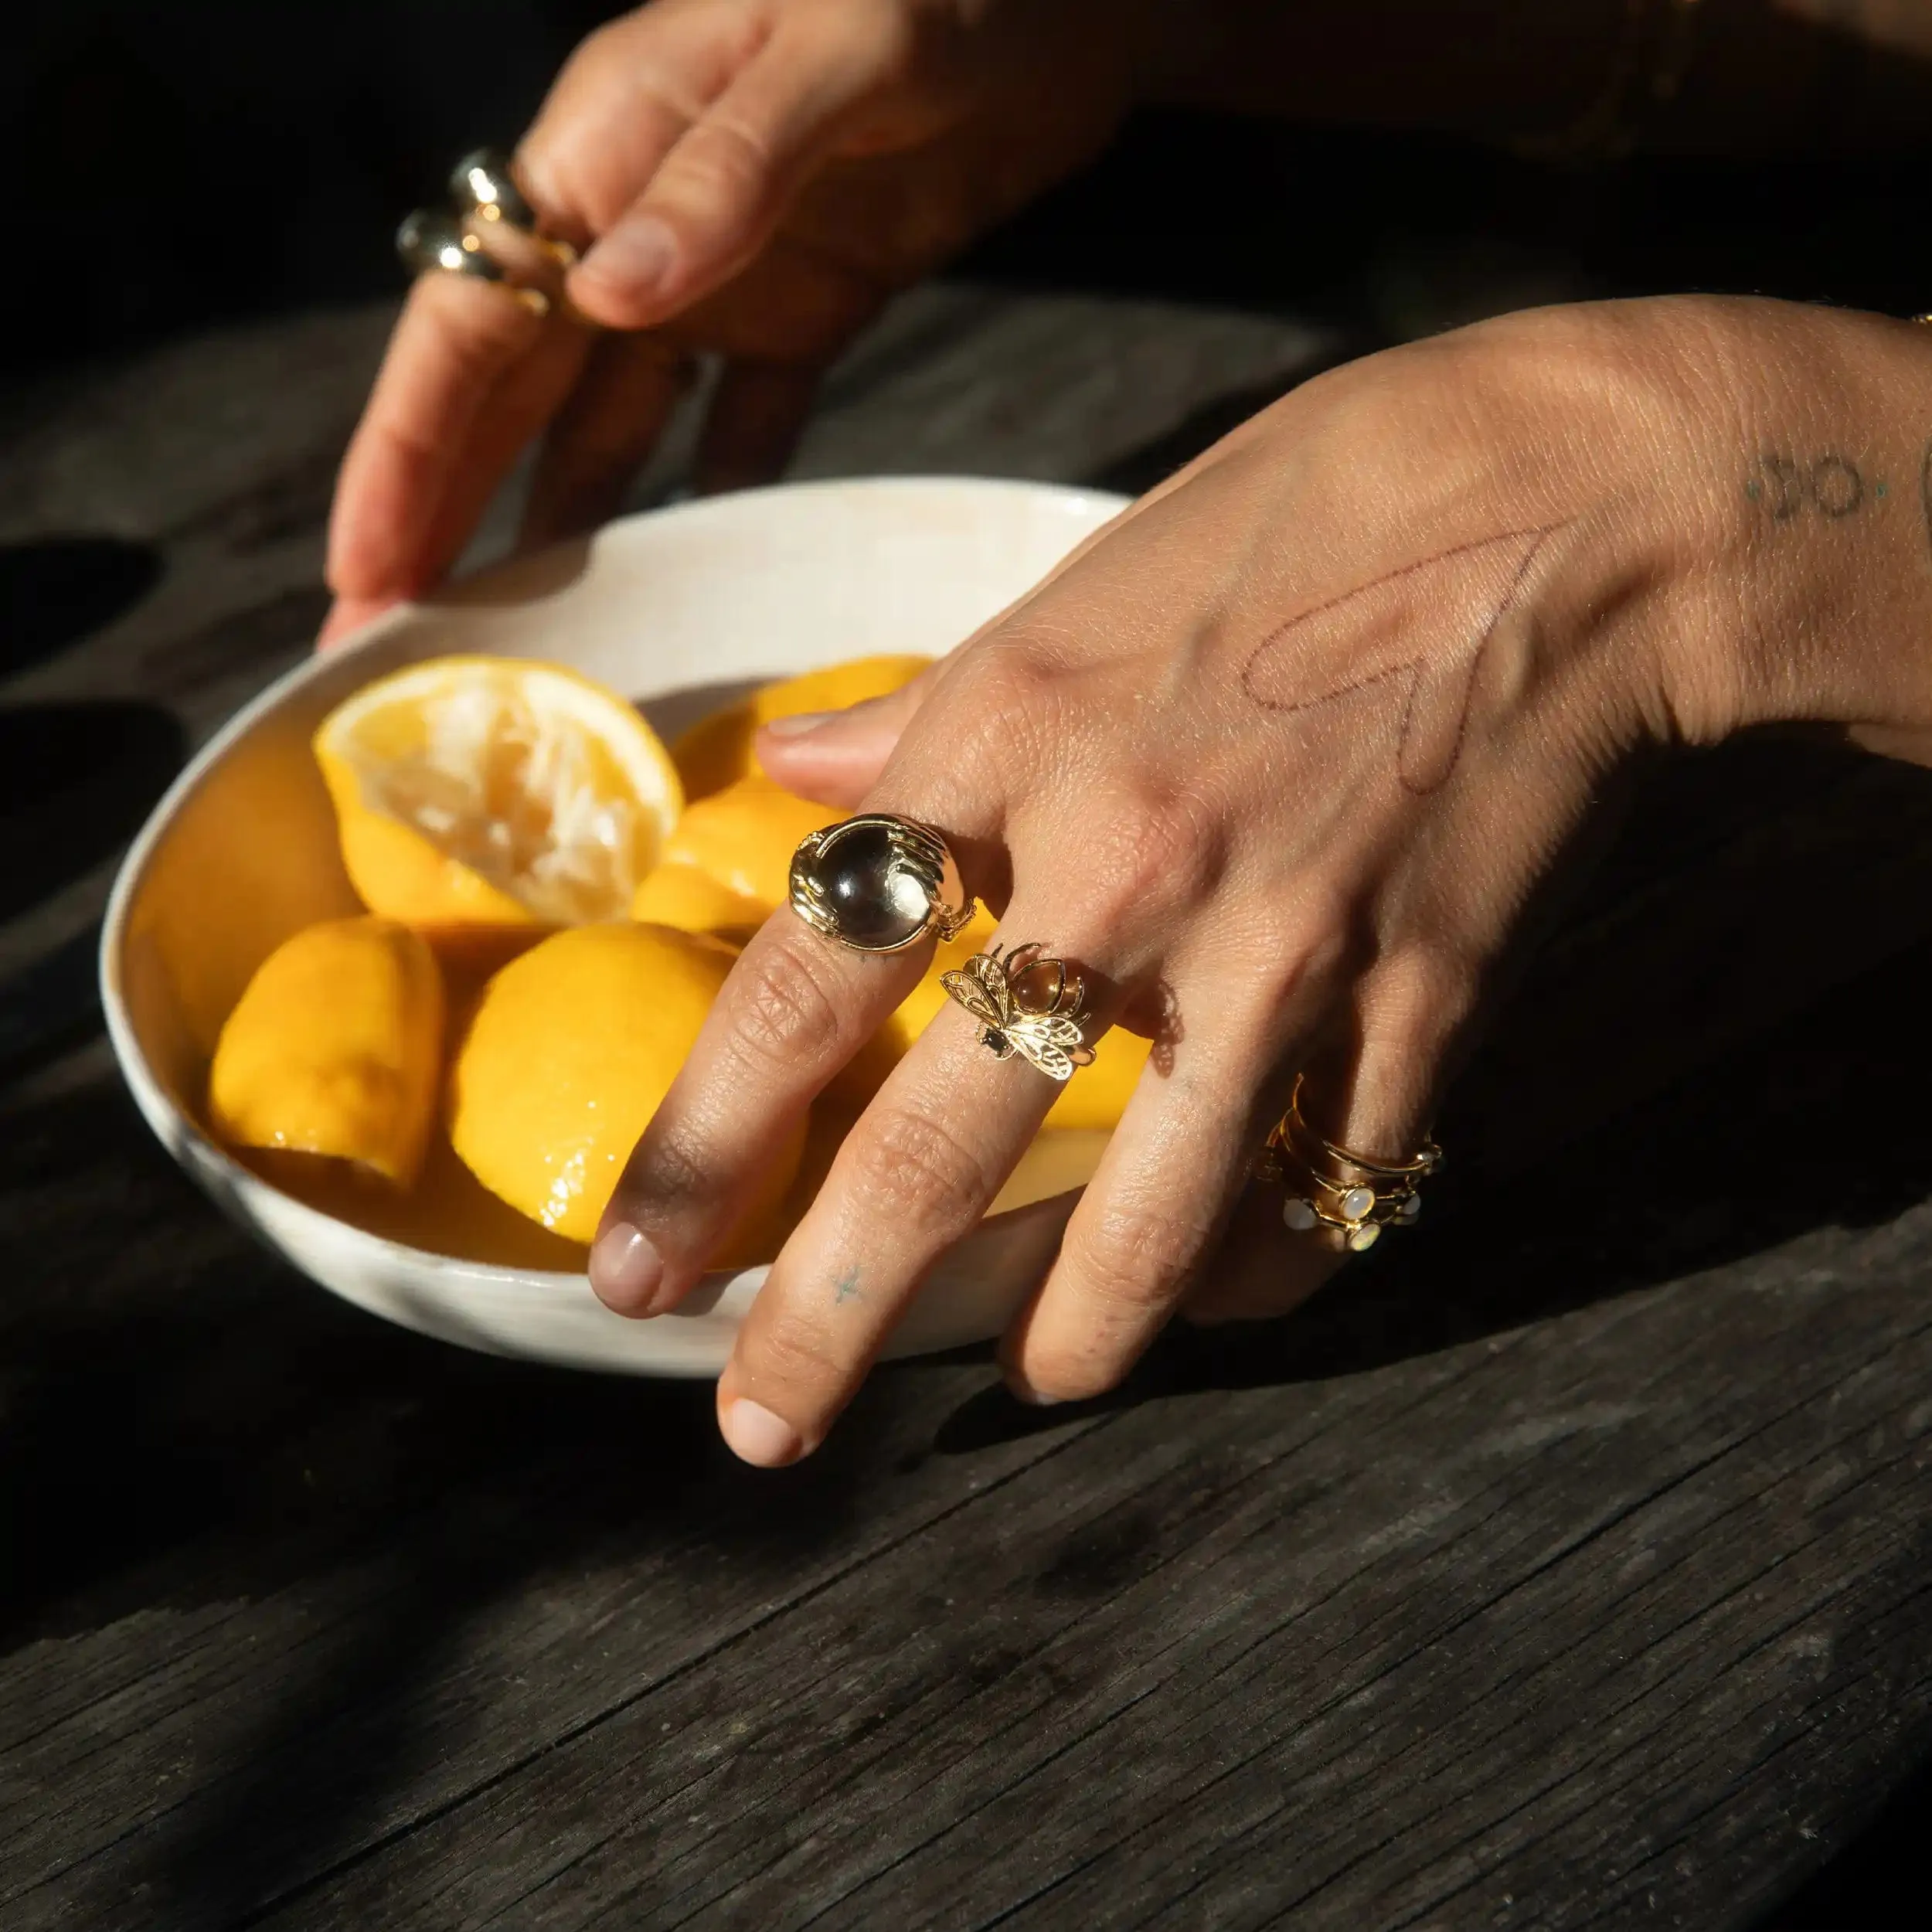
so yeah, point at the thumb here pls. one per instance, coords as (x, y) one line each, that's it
(835, 757)
(713, 200)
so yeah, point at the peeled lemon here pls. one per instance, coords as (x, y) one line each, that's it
(568, 1052)
(486, 794)
(335, 1048)
(727, 863)
(719, 750)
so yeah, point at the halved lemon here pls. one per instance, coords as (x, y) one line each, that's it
(490, 792)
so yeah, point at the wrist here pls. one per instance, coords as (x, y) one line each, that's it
(1810, 593)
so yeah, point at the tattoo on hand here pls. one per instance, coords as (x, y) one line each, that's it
(1925, 491)
(1830, 486)
(846, 1288)
(1419, 632)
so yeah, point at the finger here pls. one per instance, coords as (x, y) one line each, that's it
(915, 1174)
(796, 1008)
(621, 104)
(1160, 1199)
(602, 435)
(719, 193)
(756, 416)
(421, 432)
(1371, 1088)
(837, 756)
(349, 614)
(1260, 1269)
(527, 397)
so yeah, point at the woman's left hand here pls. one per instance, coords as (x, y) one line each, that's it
(1276, 760)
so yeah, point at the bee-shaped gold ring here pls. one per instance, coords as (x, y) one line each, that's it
(1026, 1004)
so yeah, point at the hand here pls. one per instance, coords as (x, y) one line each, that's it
(752, 178)
(1277, 758)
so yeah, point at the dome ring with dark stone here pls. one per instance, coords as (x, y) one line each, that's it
(877, 883)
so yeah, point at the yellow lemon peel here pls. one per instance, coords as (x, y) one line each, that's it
(719, 750)
(569, 1053)
(335, 1048)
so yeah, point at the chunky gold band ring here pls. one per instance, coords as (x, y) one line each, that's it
(482, 191)
(1333, 1190)
(1026, 1004)
(877, 883)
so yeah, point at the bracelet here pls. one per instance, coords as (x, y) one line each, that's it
(1653, 54)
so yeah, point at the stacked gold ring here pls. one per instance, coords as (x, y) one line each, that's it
(1333, 1190)
(482, 191)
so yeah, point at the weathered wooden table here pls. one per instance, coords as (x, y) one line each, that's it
(1566, 1564)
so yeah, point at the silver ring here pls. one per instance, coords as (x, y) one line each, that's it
(877, 883)
(481, 185)
(430, 242)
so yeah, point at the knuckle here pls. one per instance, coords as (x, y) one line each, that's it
(723, 162)
(907, 1168)
(1135, 1261)
(783, 1014)
(669, 1173)
(789, 1351)
(1013, 692)
(1152, 850)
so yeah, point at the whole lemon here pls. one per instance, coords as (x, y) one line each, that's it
(569, 1053)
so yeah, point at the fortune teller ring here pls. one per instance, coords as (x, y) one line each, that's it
(1026, 1004)
(878, 884)
(1332, 1191)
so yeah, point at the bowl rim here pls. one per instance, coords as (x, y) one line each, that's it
(178, 1131)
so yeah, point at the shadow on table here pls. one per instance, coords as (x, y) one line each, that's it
(55, 590)
(187, 1426)
(1669, 1087)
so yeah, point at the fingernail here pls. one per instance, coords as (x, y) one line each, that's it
(636, 255)
(800, 723)
(626, 1271)
(1024, 1391)
(756, 1436)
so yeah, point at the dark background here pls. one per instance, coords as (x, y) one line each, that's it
(173, 167)
(206, 160)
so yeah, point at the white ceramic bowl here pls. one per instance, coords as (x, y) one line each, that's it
(681, 609)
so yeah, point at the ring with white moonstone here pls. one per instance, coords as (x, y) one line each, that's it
(1345, 1197)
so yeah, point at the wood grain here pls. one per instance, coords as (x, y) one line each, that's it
(1563, 1565)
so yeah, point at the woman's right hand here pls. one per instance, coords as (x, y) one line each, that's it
(748, 177)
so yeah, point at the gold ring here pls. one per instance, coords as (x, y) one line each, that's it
(877, 883)
(1332, 1190)
(1005, 996)
(431, 241)
(481, 185)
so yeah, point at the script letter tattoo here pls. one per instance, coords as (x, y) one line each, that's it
(1417, 633)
